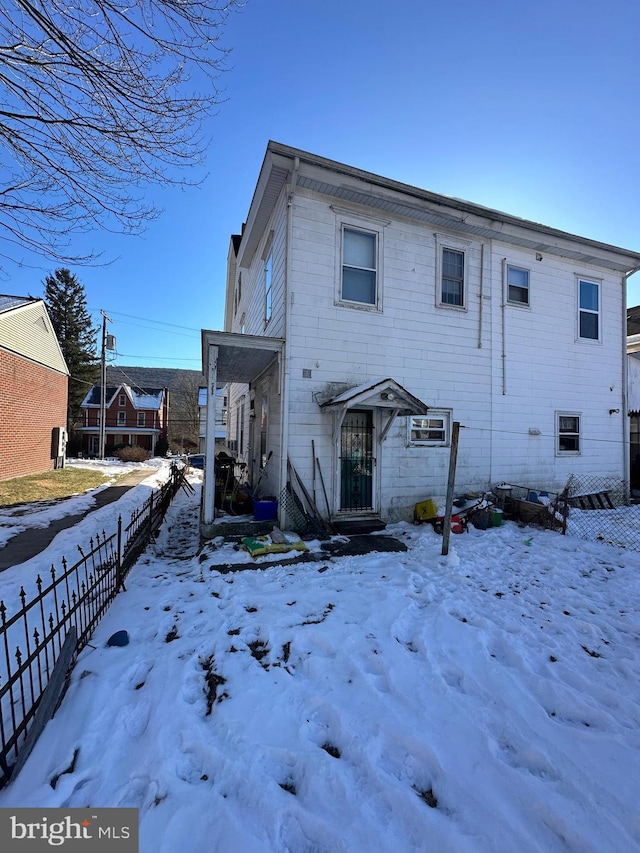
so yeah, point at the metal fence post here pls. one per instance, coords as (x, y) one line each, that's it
(119, 573)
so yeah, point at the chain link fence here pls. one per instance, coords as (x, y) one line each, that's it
(600, 509)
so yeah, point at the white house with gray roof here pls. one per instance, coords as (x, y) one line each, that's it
(365, 316)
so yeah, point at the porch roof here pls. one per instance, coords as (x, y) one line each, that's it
(381, 393)
(241, 358)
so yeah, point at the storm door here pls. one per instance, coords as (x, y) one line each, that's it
(356, 461)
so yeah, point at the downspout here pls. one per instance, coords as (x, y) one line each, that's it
(625, 395)
(288, 299)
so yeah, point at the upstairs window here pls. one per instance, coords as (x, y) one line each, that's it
(568, 433)
(517, 285)
(268, 267)
(122, 400)
(122, 418)
(238, 293)
(452, 278)
(141, 419)
(359, 266)
(588, 310)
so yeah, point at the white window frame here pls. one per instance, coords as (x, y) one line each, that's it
(443, 415)
(371, 232)
(141, 419)
(351, 220)
(580, 310)
(453, 245)
(578, 434)
(518, 303)
(122, 400)
(122, 419)
(268, 288)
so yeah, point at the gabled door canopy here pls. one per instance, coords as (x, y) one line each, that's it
(381, 394)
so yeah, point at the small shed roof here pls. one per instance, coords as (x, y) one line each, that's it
(382, 393)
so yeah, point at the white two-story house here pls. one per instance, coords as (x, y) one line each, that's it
(365, 316)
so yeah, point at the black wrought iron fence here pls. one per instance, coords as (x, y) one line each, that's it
(76, 598)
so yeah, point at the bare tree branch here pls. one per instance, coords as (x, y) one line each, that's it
(98, 100)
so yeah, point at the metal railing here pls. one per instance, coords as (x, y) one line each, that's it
(31, 640)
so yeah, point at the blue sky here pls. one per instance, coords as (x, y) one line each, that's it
(528, 108)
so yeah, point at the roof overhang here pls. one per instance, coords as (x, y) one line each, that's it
(241, 358)
(633, 344)
(347, 184)
(382, 394)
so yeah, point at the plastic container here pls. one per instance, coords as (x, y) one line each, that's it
(265, 510)
(425, 510)
(496, 518)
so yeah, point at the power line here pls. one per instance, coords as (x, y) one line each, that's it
(158, 322)
(154, 358)
(151, 329)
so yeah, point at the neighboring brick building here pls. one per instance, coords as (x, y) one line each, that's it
(33, 389)
(134, 416)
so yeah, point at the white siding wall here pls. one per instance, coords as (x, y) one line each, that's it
(548, 369)
(452, 359)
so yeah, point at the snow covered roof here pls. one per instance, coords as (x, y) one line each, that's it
(7, 303)
(141, 398)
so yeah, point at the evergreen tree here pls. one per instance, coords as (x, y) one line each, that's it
(66, 303)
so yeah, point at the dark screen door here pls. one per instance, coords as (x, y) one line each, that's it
(356, 461)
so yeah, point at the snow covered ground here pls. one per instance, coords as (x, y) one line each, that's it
(487, 701)
(17, 519)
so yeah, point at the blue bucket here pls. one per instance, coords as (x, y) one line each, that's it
(265, 510)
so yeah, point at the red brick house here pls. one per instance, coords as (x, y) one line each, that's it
(33, 389)
(136, 417)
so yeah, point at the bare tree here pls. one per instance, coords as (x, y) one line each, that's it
(184, 413)
(98, 99)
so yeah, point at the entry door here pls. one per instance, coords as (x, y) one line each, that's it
(356, 461)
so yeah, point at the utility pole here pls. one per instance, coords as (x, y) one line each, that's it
(103, 385)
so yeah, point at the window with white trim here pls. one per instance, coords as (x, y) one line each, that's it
(141, 419)
(517, 285)
(432, 429)
(359, 281)
(451, 288)
(122, 418)
(268, 269)
(588, 310)
(567, 433)
(122, 400)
